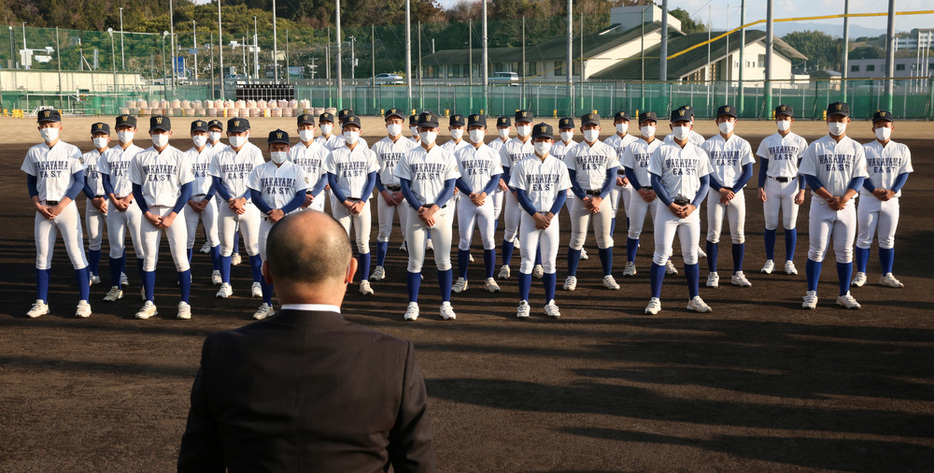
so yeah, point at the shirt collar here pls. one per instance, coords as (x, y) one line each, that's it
(311, 307)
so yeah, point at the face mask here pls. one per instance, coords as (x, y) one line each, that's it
(476, 136)
(647, 131)
(836, 128)
(215, 136)
(351, 136)
(622, 128)
(726, 127)
(883, 133)
(524, 130)
(49, 134)
(428, 137)
(326, 130)
(566, 136)
(542, 147)
(306, 135)
(783, 125)
(279, 157)
(126, 136)
(238, 141)
(394, 129)
(457, 133)
(160, 140)
(591, 135)
(199, 140)
(414, 131)
(503, 132)
(99, 142)
(681, 132)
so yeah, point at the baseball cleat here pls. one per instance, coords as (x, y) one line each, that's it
(148, 310)
(256, 290)
(184, 311)
(503, 272)
(629, 270)
(470, 257)
(768, 267)
(235, 259)
(701, 253)
(551, 309)
(698, 305)
(142, 293)
(378, 274)
(670, 268)
(713, 280)
(538, 271)
(859, 280)
(430, 246)
(365, 288)
(216, 278)
(848, 301)
(491, 285)
(790, 267)
(609, 282)
(570, 283)
(411, 312)
(584, 255)
(264, 311)
(124, 281)
(890, 281)
(459, 286)
(655, 305)
(447, 312)
(739, 279)
(225, 291)
(206, 248)
(84, 310)
(94, 279)
(113, 294)
(515, 244)
(39, 308)
(403, 248)
(523, 311)
(810, 300)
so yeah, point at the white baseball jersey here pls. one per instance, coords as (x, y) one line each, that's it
(311, 159)
(637, 156)
(541, 180)
(477, 165)
(590, 163)
(884, 164)
(620, 144)
(388, 154)
(680, 169)
(161, 175)
(453, 147)
(278, 184)
(694, 138)
(351, 169)
(727, 158)
(92, 172)
(200, 168)
(560, 148)
(117, 165)
(53, 168)
(514, 151)
(234, 168)
(427, 171)
(783, 153)
(834, 163)
(336, 141)
(497, 144)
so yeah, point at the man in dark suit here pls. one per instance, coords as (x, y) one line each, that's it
(307, 390)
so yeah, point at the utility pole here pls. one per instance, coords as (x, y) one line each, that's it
(340, 85)
(890, 56)
(255, 50)
(663, 52)
(570, 58)
(122, 51)
(742, 61)
(172, 45)
(194, 34)
(485, 75)
(220, 47)
(275, 41)
(524, 72)
(408, 53)
(421, 98)
(846, 45)
(353, 59)
(769, 30)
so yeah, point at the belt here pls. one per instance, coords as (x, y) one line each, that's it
(648, 188)
(593, 192)
(98, 196)
(354, 199)
(781, 179)
(394, 188)
(620, 171)
(50, 202)
(429, 205)
(199, 195)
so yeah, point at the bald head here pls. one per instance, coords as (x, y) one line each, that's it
(307, 249)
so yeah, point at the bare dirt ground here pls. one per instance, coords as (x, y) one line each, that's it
(757, 385)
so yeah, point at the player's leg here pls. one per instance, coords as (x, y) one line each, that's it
(151, 237)
(362, 223)
(466, 219)
(867, 220)
(212, 235)
(116, 239)
(736, 215)
(580, 220)
(665, 227)
(265, 309)
(888, 224)
(529, 237)
(249, 229)
(689, 235)
(548, 244)
(385, 215)
(94, 221)
(511, 216)
(602, 226)
(191, 219)
(844, 233)
(68, 224)
(226, 228)
(45, 235)
(177, 234)
(638, 208)
(715, 214)
(820, 224)
(441, 233)
(486, 224)
(134, 225)
(774, 201)
(415, 234)
(790, 222)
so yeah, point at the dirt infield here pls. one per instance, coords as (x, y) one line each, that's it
(757, 385)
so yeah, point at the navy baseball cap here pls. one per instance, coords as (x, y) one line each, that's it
(277, 136)
(543, 130)
(784, 110)
(524, 116)
(838, 108)
(565, 123)
(160, 122)
(238, 125)
(413, 120)
(882, 115)
(326, 117)
(680, 115)
(590, 119)
(48, 116)
(646, 116)
(621, 116)
(351, 120)
(216, 123)
(305, 119)
(126, 120)
(476, 120)
(428, 119)
(727, 110)
(395, 112)
(100, 127)
(343, 114)
(503, 121)
(687, 108)
(456, 120)
(199, 125)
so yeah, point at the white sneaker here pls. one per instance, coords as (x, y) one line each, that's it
(698, 305)
(142, 293)
(570, 283)
(113, 294)
(768, 267)
(206, 248)
(447, 312)
(148, 310)
(216, 278)
(430, 246)
(459, 286)
(810, 300)
(859, 280)
(790, 267)
(365, 288)
(94, 279)
(609, 282)
(739, 279)
(403, 248)
(124, 281)
(655, 305)
(551, 309)
(470, 257)
(378, 274)
(264, 311)
(670, 268)
(491, 285)
(701, 253)
(184, 311)
(225, 291)
(84, 310)
(523, 311)
(411, 312)
(629, 270)
(538, 271)
(848, 301)
(713, 280)
(235, 259)
(39, 308)
(584, 255)
(515, 244)
(503, 272)
(257, 290)
(890, 281)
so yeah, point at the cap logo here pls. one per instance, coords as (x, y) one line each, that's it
(839, 107)
(523, 114)
(681, 112)
(46, 113)
(279, 135)
(236, 122)
(158, 120)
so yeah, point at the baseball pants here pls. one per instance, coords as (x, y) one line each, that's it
(826, 223)
(118, 224)
(177, 234)
(512, 212)
(780, 196)
(470, 215)
(533, 240)
(386, 214)
(580, 221)
(667, 225)
(95, 221)
(228, 221)
(68, 223)
(497, 197)
(359, 222)
(624, 193)
(874, 215)
(637, 210)
(417, 231)
(208, 218)
(735, 213)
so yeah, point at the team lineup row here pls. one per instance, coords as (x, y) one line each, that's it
(526, 179)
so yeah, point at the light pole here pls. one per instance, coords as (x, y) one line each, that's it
(353, 60)
(220, 47)
(113, 56)
(255, 50)
(172, 44)
(165, 95)
(194, 34)
(122, 50)
(12, 48)
(275, 42)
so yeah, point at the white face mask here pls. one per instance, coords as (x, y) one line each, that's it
(726, 127)
(503, 132)
(457, 133)
(622, 128)
(647, 131)
(524, 130)
(199, 140)
(883, 133)
(591, 135)
(542, 147)
(836, 128)
(414, 130)
(783, 125)
(326, 129)
(428, 137)
(279, 157)
(681, 132)
(238, 141)
(214, 135)
(49, 134)
(566, 136)
(394, 129)
(306, 135)
(476, 136)
(99, 142)
(125, 136)
(160, 140)
(351, 136)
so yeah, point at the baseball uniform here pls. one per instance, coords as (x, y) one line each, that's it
(94, 218)
(635, 161)
(124, 215)
(390, 200)
(202, 189)
(622, 192)
(311, 158)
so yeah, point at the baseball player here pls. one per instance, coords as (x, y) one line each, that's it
(635, 160)
(622, 191)
(697, 139)
(731, 164)
(201, 206)
(456, 126)
(541, 182)
(888, 166)
(558, 150)
(592, 168)
(352, 170)
(326, 124)
(413, 128)
(834, 167)
(311, 155)
(679, 175)
(215, 132)
(480, 169)
(513, 151)
(95, 211)
(54, 178)
(276, 188)
(230, 169)
(427, 175)
(390, 202)
(780, 189)
(162, 180)
(503, 127)
(123, 213)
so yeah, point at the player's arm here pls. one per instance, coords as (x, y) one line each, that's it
(371, 180)
(763, 171)
(491, 186)
(631, 175)
(899, 182)
(320, 185)
(88, 192)
(853, 188)
(446, 193)
(211, 191)
(524, 201)
(409, 195)
(818, 187)
(221, 189)
(609, 183)
(184, 194)
(869, 186)
(575, 186)
(702, 191)
(77, 184)
(506, 176)
(332, 180)
(743, 178)
(379, 184)
(462, 186)
(558, 203)
(295, 203)
(257, 197)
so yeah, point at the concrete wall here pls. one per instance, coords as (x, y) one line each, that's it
(71, 81)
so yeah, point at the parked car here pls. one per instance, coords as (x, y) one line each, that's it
(235, 79)
(387, 78)
(504, 78)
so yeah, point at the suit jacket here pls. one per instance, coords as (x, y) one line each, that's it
(307, 391)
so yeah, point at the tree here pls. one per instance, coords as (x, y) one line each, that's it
(688, 24)
(866, 52)
(820, 48)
